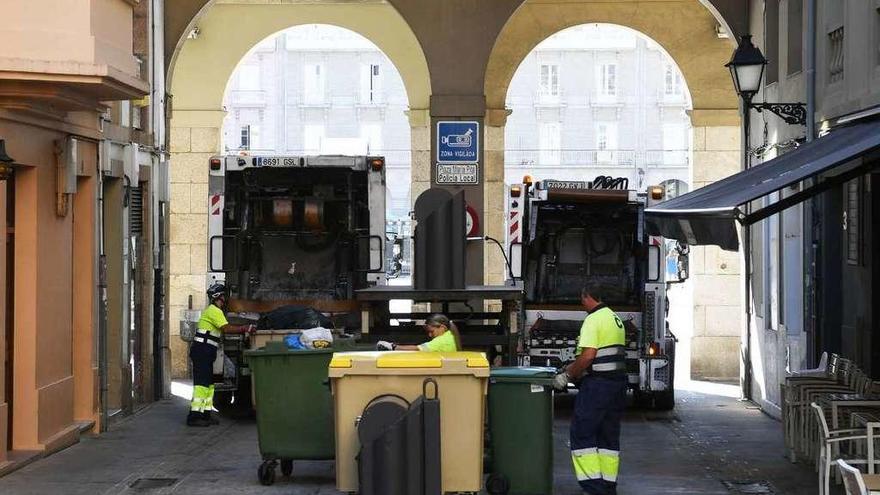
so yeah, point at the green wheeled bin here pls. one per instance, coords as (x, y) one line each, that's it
(520, 431)
(294, 406)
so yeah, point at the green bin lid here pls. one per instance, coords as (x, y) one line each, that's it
(522, 374)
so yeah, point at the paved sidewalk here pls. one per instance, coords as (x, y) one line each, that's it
(707, 440)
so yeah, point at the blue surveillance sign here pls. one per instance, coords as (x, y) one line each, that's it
(457, 142)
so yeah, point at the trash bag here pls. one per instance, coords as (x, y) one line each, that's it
(293, 317)
(317, 338)
(293, 341)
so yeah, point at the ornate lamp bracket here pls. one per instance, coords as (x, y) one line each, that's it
(791, 113)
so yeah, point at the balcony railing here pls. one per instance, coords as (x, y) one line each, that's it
(600, 158)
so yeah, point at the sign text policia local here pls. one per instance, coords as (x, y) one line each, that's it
(458, 152)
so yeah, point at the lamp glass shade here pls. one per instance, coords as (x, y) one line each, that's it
(747, 78)
(747, 67)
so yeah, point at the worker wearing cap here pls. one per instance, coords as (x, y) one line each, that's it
(442, 331)
(203, 351)
(599, 406)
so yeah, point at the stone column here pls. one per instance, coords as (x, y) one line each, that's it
(195, 137)
(494, 196)
(420, 138)
(716, 274)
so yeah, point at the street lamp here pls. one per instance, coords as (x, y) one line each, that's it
(6, 162)
(747, 69)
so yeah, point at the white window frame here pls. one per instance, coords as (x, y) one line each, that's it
(371, 84)
(606, 80)
(548, 82)
(549, 143)
(314, 83)
(606, 142)
(313, 134)
(249, 77)
(244, 137)
(672, 81)
(371, 133)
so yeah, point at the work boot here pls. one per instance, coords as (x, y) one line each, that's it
(196, 418)
(210, 418)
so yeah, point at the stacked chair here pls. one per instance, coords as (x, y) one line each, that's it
(806, 430)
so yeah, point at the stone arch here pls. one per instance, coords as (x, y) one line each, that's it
(685, 29)
(202, 66)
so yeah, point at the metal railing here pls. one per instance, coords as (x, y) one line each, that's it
(605, 158)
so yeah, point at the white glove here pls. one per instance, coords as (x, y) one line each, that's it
(561, 381)
(384, 346)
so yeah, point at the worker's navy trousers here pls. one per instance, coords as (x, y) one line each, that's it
(595, 433)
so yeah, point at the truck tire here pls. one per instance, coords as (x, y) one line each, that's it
(664, 401)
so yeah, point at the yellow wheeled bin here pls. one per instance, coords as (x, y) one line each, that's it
(357, 378)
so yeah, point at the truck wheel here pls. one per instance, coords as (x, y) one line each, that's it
(266, 473)
(497, 484)
(664, 401)
(286, 467)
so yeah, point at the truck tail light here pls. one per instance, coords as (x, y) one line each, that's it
(657, 192)
(215, 164)
(654, 349)
(376, 164)
(515, 191)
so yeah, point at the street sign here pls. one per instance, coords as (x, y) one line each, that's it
(458, 142)
(457, 174)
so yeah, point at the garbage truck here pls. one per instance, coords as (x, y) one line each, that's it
(293, 238)
(564, 234)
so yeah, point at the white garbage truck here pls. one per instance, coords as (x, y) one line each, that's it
(297, 234)
(563, 234)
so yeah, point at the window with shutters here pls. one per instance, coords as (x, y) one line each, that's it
(245, 141)
(771, 22)
(549, 87)
(795, 36)
(313, 77)
(371, 84)
(607, 80)
(852, 221)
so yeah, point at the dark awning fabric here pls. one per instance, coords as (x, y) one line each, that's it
(707, 215)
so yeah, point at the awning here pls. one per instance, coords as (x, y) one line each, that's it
(708, 215)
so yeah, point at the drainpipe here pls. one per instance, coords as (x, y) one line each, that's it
(810, 240)
(102, 301)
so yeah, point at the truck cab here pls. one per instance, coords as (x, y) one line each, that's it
(563, 234)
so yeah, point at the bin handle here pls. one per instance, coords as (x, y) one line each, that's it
(425, 388)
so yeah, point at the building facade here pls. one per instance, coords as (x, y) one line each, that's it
(599, 100)
(318, 90)
(82, 120)
(814, 275)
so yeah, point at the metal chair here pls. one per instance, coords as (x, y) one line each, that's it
(852, 479)
(829, 438)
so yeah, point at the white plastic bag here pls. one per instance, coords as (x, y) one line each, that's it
(317, 338)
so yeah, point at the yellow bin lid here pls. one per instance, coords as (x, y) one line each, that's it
(408, 362)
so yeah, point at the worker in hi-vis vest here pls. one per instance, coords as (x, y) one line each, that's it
(599, 406)
(203, 352)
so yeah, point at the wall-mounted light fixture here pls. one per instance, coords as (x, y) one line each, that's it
(6, 162)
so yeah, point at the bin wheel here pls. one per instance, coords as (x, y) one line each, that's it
(286, 467)
(497, 484)
(266, 473)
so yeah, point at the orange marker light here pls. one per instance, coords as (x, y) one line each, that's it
(376, 164)
(515, 191)
(657, 192)
(527, 180)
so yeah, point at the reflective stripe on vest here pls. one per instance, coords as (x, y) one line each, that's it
(206, 337)
(610, 360)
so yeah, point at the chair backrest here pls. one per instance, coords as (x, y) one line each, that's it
(852, 479)
(823, 362)
(823, 425)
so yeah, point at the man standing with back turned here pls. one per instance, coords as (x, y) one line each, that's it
(595, 427)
